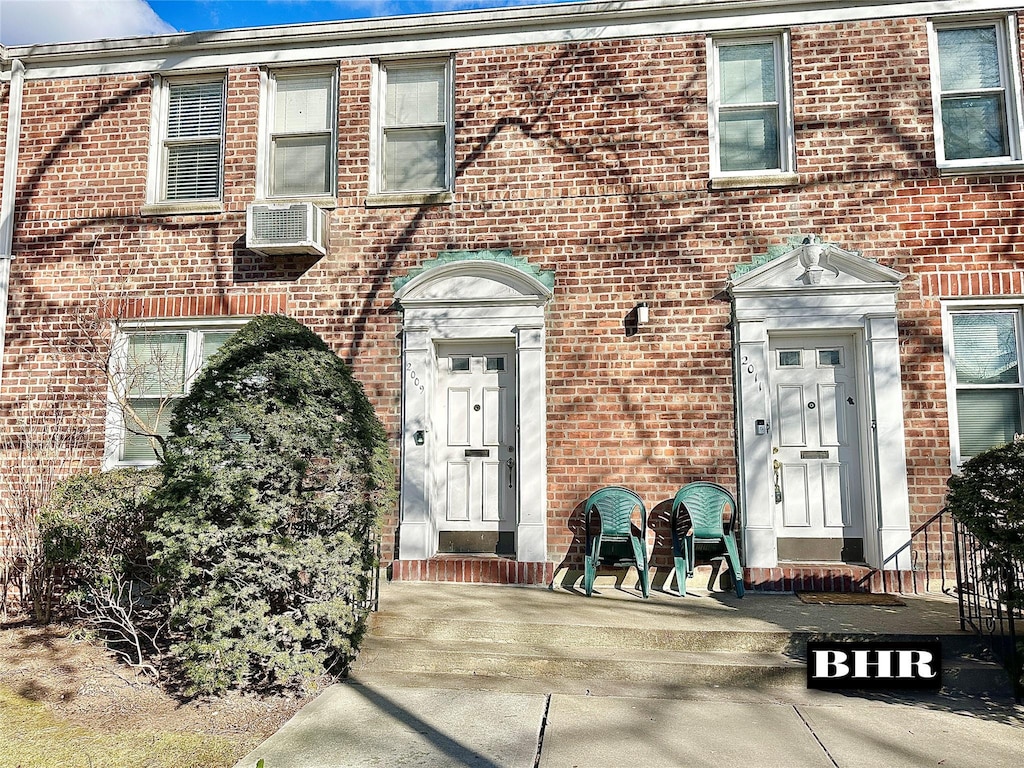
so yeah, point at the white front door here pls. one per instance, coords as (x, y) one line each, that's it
(816, 449)
(475, 472)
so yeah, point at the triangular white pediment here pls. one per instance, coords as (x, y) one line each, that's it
(826, 267)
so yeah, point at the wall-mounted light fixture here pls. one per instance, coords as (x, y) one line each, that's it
(643, 313)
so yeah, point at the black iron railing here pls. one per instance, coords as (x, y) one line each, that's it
(991, 602)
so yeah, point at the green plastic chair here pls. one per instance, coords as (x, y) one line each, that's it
(614, 506)
(706, 504)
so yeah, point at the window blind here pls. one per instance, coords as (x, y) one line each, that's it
(747, 73)
(987, 418)
(985, 347)
(415, 142)
(156, 364)
(302, 104)
(989, 395)
(973, 103)
(415, 96)
(300, 161)
(748, 112)
(195, 123)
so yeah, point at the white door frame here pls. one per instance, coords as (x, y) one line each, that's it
(819, 289)
(489, 298)
(852, 521)
(501, 448)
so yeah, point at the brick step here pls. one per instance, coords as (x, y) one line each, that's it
(710, 576)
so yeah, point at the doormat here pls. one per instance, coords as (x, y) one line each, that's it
(849, 598)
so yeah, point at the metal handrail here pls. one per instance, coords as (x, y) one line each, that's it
(991, 604)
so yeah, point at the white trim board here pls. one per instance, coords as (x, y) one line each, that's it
(467, 30)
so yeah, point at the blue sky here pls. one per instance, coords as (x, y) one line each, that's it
(194, 15)
(27, 22)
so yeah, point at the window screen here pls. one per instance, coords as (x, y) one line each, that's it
(974, 98)
(986, 352)
(302, 136)
(193, 142)
(415, 127)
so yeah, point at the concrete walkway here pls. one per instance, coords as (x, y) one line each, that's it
(372, 723)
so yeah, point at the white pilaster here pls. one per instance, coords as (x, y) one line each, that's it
(531, 531)
(417, 539)
(756, 488)
(889, 445)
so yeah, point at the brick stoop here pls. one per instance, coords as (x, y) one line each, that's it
(490, 569)
(470, 569)
(834, 578)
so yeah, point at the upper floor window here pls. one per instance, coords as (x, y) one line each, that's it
(976, 91)
(750, 106)
(414, 117)
(984, 351)
(152, 367)
(299, 146)
(187, 156)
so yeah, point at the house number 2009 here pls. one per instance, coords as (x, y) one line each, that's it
(414, 376)
(749, 368)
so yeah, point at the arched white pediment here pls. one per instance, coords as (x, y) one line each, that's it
(473, 281)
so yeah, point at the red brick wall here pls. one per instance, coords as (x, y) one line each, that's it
(589, 159)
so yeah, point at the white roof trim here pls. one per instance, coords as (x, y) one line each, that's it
(465, 30)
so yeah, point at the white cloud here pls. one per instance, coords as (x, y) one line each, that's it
(28, 22)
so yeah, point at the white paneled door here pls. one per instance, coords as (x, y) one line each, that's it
(816, 444)
(475, 475)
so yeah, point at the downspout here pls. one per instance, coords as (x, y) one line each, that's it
(9, 191)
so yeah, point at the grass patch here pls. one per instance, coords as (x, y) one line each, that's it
(32, 736)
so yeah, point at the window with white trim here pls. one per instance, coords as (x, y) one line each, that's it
(153, 366)
(414, 136)
(299, 151)
(187, 157)
(984, 349)
(976, 91)
(750, 106)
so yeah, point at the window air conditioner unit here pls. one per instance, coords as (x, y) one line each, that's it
(290, 228)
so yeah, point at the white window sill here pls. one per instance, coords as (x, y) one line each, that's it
(747, 181)
(962, 168)
(396, 199)
(324, 202)
(178, 209)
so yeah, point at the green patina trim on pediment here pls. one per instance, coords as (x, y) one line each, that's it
(502, 256)
(773, 252)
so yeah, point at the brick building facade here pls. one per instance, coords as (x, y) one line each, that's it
(818, 207)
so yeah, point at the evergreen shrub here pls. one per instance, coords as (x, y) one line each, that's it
(93, 530)
(276, 476)
(987, 497)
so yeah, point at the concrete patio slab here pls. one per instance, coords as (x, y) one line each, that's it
(356, 726)
(872, 735)
(592, 732)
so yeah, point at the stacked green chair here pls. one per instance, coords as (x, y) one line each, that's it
(614, 506)
(706, 504)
